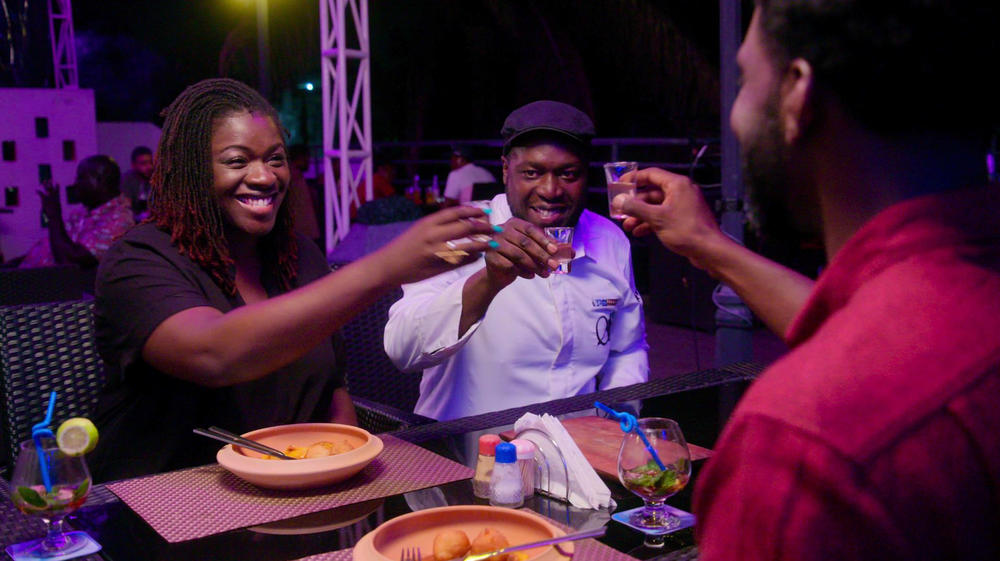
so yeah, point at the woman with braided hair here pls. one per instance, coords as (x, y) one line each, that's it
(213, 311)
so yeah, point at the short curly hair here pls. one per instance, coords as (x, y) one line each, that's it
(898, 66)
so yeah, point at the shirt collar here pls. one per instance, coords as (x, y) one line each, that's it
(962, 218)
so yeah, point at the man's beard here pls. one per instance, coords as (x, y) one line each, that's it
(765, 174)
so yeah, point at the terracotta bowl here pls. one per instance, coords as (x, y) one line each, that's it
(418, 529)
(305, 473)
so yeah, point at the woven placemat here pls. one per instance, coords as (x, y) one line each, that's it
(203, 501)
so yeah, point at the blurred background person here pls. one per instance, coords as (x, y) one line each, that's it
(463, 176)
(384, 173)
(300, 193)
(135, 182)
(87, 233)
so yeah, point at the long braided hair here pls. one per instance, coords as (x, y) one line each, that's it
(184, 203)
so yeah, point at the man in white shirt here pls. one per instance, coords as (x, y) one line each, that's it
(503, 332)
(463, 176)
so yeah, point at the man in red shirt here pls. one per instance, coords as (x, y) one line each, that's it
(876, 437)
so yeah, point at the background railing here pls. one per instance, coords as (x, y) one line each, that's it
(430, 158)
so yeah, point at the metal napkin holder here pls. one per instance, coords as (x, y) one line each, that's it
(540, 453)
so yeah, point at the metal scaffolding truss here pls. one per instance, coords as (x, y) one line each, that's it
(63, 44)
(347, 141)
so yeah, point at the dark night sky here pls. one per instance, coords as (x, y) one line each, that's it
(441, 68)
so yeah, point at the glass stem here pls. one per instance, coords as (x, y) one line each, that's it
(55, 539)
(656, 510)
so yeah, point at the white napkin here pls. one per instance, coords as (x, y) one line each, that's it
(586, 488)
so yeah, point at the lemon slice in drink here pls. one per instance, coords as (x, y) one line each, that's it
(76, 436)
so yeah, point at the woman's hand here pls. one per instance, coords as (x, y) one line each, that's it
(437, 243)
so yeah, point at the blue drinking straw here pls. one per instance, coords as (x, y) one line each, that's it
(628, 424)
(43, 430)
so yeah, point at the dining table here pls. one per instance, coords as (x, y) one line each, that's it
(206, 513)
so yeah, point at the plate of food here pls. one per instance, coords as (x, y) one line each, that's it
(325, 453)
(444, 533)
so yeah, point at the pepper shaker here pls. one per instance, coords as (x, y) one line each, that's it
(484, 465)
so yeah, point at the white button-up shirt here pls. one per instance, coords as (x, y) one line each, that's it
(540, 339)
(461, 181)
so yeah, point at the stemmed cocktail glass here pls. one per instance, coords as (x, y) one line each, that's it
(65, 489)
(642, 474)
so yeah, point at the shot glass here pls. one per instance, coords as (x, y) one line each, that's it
(563, 235)
(619, 191)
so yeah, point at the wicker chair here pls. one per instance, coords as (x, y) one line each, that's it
(46, 347)
(60, 283)
(370, 373)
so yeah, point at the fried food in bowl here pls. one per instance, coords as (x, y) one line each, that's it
(450, 544)
(323, 468)
(423, 530)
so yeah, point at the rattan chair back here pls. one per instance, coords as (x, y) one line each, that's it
(59, 283)
(370, 374)
(46, 347)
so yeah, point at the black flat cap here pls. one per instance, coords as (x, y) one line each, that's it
(547, 116)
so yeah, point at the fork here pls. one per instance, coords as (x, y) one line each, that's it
(410, 554)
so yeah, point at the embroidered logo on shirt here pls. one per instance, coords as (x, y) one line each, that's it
(604, 302)
(602, 329)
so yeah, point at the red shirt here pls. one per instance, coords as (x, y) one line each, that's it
(878, 435)
(94, 229)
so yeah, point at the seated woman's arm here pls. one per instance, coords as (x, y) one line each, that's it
(214, 349)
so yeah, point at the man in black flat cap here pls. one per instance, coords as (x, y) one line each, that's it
(503, 332)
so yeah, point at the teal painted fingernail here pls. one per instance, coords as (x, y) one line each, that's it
(497, 229)
(488, 210)
(493, 244)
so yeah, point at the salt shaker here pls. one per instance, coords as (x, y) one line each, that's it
(505, 485)
(526, 463)
(484, 465)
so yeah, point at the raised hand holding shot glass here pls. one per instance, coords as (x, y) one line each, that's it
(563, 235)
(619, 191)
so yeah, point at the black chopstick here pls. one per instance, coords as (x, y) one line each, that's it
(230, 438)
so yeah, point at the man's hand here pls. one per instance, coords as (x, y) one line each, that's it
(51, 205)
(524, 251)
(672, 207)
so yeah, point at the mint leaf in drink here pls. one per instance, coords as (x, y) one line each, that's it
(644, 480)
(81, 491)
(31, 497)
(651, 466)
(666, 480)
